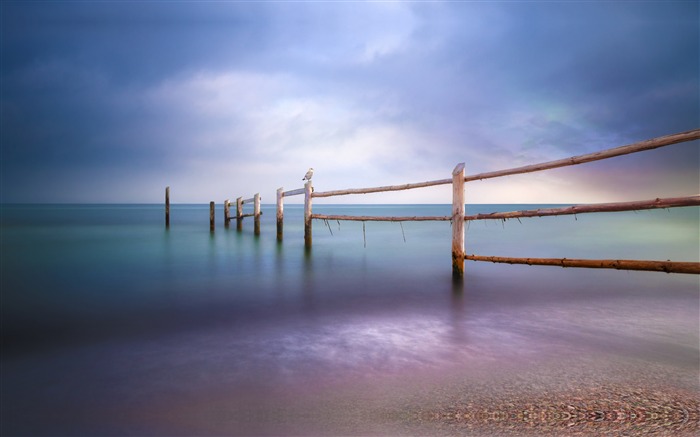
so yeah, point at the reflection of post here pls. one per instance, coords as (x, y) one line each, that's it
(211, 216)
(280, 213)
(227, 212)
(458, 221)
(256, 213)
(167, 207)
(239, 214)
(308, 189)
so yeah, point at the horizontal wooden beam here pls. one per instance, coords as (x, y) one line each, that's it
(657, 266)
(673, 202)
(252, 214)
(367, 218)
(381, 189)
(604, 154)
(293, 192)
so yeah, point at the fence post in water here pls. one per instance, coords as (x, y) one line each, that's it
(227, 212)
(239, 214)
(458, 221)
(256, 213)
(308, 189)
(167, 207)
(211, 216)
(280, 213)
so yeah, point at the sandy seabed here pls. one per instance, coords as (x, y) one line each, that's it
(573, 396)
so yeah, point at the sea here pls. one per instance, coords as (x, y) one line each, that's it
(114, 325)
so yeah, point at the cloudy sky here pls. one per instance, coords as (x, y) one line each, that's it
(112, 101)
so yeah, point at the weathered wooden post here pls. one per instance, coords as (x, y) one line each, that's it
(227, 213)
(280, 213)
(211, 216)
(308, 189)
(239, 214)
(458, 221)
(256, 213)
(167, 207)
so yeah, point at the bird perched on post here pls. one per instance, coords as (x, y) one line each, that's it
(308, 175)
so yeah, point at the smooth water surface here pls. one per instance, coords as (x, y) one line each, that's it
(112, 324)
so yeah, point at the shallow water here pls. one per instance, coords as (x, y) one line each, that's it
(109, 320)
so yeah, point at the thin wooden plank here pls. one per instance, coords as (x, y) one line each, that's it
(371, 218)
(293, 192)
(653, 143)
(381, 189)
(657, 266)
(673, 202)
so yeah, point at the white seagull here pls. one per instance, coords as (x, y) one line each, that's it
(307, 176)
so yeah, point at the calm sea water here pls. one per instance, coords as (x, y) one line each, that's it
(109, 320)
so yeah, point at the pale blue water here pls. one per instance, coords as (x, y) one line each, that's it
(108, 318)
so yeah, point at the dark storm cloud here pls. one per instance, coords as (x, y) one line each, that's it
(130, 41)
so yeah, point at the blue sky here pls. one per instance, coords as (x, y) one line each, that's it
(112, 101)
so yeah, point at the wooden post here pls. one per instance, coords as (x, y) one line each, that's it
(239, 214)
(227, 213)
(308, 189)
(280, 213)
(211, 216)
(256, 213)
(167, 207)
(458, 221)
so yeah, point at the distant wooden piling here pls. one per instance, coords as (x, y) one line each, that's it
(239, 214)
(308, 190)
(227, 213)
(280, 213)
(256, 213)
(211, 216)
(458, 221)
(167, 207)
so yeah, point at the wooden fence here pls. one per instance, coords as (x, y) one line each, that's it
(255, 200)
(458, 216)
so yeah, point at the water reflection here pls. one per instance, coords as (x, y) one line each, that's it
(308, 281)
(458, 314)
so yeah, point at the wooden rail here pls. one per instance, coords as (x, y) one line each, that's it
(293, 192)
(619, 264)
(372, 218)
(640, 146)
(653, 143)
(381, 189)
(672, 202)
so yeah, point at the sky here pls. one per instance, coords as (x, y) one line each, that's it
(110, 102)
